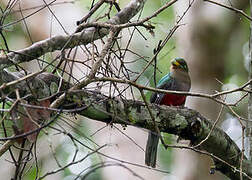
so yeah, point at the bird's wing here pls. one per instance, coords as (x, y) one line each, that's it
(167, 83)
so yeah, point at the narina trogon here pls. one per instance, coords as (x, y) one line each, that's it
(178, 80)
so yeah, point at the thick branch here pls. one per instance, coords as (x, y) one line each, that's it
(64, 41)
(186, 123)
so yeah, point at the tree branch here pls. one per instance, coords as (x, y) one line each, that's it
(69, 41)
(186, 123)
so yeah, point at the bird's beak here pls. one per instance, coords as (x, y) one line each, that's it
(175, 63)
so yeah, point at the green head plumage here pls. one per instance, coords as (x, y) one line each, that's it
(180, 63)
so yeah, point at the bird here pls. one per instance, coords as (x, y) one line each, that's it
(177, 79)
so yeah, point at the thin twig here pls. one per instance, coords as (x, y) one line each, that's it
(92, 72)
(195, 94)
(230, 8)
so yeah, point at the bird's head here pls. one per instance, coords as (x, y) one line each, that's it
(180, 64)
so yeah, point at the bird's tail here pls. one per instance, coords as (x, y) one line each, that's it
(151, 149)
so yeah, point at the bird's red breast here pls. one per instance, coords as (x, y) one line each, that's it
(173, 100)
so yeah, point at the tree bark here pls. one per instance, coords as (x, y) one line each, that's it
(186, 123)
